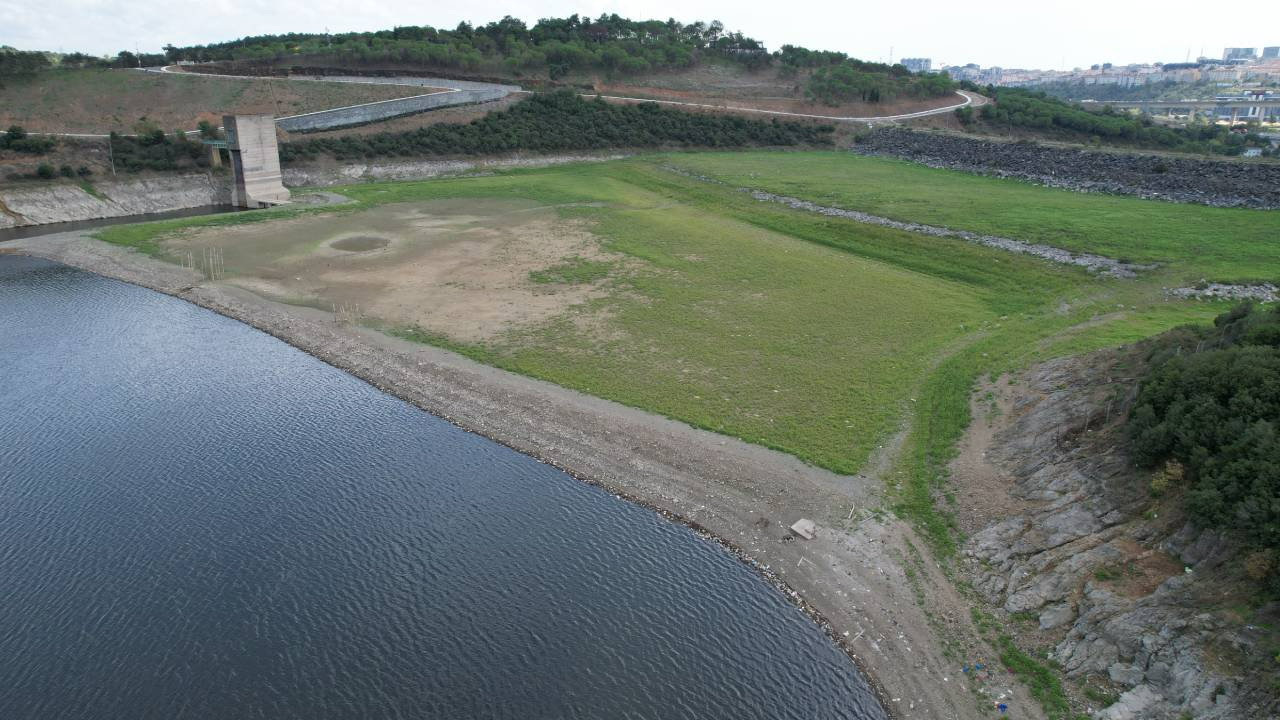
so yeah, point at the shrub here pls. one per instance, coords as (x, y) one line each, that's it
(17, 139)
(563, 121)
(1211, 404)
(45, 171)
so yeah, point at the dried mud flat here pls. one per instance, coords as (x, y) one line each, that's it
(449, 268)
(863, 577)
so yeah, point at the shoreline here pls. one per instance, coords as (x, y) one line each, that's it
(850, 579)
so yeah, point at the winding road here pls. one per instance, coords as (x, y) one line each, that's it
(450, 93)
(970, 99)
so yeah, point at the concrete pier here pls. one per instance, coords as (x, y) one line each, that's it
(255, 161)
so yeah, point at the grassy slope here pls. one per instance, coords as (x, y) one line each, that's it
(810, 334)
(729, 326)
(98, 101)
(1219, 243)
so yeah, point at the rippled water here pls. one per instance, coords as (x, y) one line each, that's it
(198, 521)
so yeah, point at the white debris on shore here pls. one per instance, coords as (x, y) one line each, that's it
(1262, 292)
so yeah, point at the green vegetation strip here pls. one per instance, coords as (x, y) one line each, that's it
(1194, 241)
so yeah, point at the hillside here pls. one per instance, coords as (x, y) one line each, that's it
(1028, 113)
(99, 101)
(608, 52)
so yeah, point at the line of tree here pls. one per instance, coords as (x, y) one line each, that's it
(556, 47)
(23, 63)
(18, 140)
(562, 121)
(1207, 419)
(153, 149)
(1035, 111)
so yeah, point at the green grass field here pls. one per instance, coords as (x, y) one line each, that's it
(819, 336)
(1195, 241)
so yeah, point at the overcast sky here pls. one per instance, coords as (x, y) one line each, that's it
(1009, 33)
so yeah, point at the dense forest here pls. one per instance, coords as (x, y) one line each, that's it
(555, 48)
(1207, 420)
(562, 121)
(1040, 113)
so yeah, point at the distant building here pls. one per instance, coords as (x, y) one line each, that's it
(1271, 53)
(917, 65)
(1235, 54)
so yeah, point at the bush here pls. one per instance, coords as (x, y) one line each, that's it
(1032, 110)
(17, 139)
(563, 121)
(152, 149)
(66, 171)
(45, 171)
(1211, 403)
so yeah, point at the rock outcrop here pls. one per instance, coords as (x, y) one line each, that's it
(1121, 586)
(1176, 178)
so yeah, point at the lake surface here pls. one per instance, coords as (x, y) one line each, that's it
(198, 521)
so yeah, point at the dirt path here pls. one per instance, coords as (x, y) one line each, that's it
(863, 577)
(970, 99)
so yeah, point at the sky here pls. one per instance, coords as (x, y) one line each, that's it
(1006, 33)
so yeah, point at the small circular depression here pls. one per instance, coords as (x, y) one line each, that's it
(360, 243)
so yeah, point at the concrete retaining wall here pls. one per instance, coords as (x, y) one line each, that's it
(385, 110)
(49, 203)
(461, 92)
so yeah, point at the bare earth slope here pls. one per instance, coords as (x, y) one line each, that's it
(101, 101)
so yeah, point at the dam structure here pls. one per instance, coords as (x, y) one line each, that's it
(255, 161)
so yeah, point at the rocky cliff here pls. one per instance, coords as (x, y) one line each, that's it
(1146, 616)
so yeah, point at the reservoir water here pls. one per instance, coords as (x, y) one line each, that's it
(199, 521)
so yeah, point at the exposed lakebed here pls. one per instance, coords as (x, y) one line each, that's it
(198, 520)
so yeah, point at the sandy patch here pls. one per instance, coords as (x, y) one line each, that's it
(461, 270)
(982, 490)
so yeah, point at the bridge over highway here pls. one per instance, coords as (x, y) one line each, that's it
(1241, 103)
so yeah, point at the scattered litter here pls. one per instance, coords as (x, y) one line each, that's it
(1002, 707)
(805, 528)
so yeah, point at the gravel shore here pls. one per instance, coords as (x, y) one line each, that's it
(852, 577)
